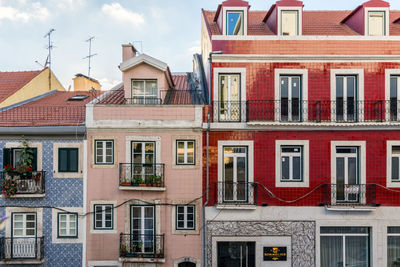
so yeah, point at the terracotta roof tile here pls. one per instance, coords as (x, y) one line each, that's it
(53, 110)
(314, 23)
(11, 82)
(180, 81)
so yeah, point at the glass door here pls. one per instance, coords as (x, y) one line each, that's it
(229, 97)
(347, 172)
(394, 93)
(346, 98)
(143, 161)
(23, 235)
(290, 98)
(142, 229)
(235, 174)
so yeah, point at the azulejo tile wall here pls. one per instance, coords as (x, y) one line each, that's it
(60, 192)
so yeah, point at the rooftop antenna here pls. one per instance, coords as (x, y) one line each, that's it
(90, 53)
(141, 45)
(49, 47)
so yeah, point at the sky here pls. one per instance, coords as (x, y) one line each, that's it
(168, 30)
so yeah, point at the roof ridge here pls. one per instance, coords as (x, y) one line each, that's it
(22, 71)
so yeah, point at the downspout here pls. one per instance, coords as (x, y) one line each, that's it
(204, 241)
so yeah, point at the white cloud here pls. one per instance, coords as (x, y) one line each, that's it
(194, 50)
(121, 14)
(68, 4)
(107, 84)
(24, 13)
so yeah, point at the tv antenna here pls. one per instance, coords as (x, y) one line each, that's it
(48, 60)
(89, 57)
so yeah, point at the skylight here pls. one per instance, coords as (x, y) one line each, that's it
(78, 98)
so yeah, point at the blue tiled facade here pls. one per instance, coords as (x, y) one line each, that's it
(60, 192)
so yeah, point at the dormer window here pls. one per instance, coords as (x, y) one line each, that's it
(234, 22)
(376, 23)
(289, 22)
(144, 92)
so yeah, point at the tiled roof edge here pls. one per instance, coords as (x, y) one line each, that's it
(28, 101)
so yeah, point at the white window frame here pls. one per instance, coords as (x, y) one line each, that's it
(359, 73)
(69, 217)
(242, 72)
(130, 139)
(185, 219)
(104, 154)
(81, 230)
(185, 153)
(103, 219)
(24, 224)
(389, 182)
(304, 90)
(366, 19)
(388, 74)
(229, 8)
(299, 20)
(145, 96)
(305, 160)
(79, 173)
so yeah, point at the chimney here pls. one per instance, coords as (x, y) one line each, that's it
(128, 51)
(85, 83)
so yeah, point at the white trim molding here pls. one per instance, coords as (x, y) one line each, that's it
(388, 74)
(389, 182)
(67, 240)
(103, 202)
(299, 19)
(231, 8)
(104, 263)
(39, 219)
(144, 138)
(250, 158)
(305, 160)
(243, 82)
(366, 21)
(187, 259)
(360, 87)
(304, 89)
(56, 173)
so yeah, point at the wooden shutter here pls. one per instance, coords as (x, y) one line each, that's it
(6, 156)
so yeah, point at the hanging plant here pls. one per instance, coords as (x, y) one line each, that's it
(9, 188)
(25, 162)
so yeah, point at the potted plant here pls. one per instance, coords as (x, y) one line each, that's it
(25, 164)
(139, 248)
(161, 254)
(122, 250)
(157, 180)
(136, 181)
(9, 169)
(149, 180)
(125, 181)
(141, 182)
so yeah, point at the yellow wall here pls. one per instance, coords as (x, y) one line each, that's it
(84, 84)
(37, 86)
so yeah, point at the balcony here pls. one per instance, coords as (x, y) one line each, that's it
(29, 184)
(142, 248)
(342, 196)
(235, 194)
(326, 111)
(141, 177)
(23, 250)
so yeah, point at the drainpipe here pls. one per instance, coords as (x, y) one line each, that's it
(204, 241)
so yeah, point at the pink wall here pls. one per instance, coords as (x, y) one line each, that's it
(142, 112)
(103, 184)
(143, 71)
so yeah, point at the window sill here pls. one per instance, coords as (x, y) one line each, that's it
(27, 196)
(355, 208)
(144, 188)
(235, 207)
(143, 260)
(21, 262)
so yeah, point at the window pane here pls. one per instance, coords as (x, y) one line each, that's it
(138, 88)
(151, 88)
(395, 168)
(285, 168)
(73, 157)
(376, 23)
(393, 87)
(357, 253)
(234, 23)
(63, 154)
(289, 23)
(393, 251)
(296, 168)
(331, 251)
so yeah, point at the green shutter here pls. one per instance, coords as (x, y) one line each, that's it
(6, 156)
(34, 160)
(68, 160)
(73, 160)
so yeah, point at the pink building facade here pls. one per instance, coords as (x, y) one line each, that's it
(144, 175)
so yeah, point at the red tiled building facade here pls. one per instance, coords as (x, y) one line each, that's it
(304, 141)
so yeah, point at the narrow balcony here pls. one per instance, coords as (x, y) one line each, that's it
(235, 194)
(141, 177)
(23, 250)
(28, 184)
(313, 111)
(135, 247)
(350, 195)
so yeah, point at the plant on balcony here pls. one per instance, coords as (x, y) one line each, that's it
(157, 180)
(9, 187)
(9, 169)
(125, 181)
(137, 181)
(25, 164)
(123, 250)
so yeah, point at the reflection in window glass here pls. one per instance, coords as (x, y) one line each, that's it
(234, 23)
(376, 23)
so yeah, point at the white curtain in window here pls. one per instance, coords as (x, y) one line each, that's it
(393, 251)
(331, 251)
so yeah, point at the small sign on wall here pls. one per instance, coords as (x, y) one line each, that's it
(275, 253)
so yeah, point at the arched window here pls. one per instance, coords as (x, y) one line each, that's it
(187, 264)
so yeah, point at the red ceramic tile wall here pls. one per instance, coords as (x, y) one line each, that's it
(260, 78)
(319, 160)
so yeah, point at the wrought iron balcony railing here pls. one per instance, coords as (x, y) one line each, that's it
(141, 175)
(350, 194)
(338, 111)
(32, 182)
(141, 246)
(235, 193)
(21, 248)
